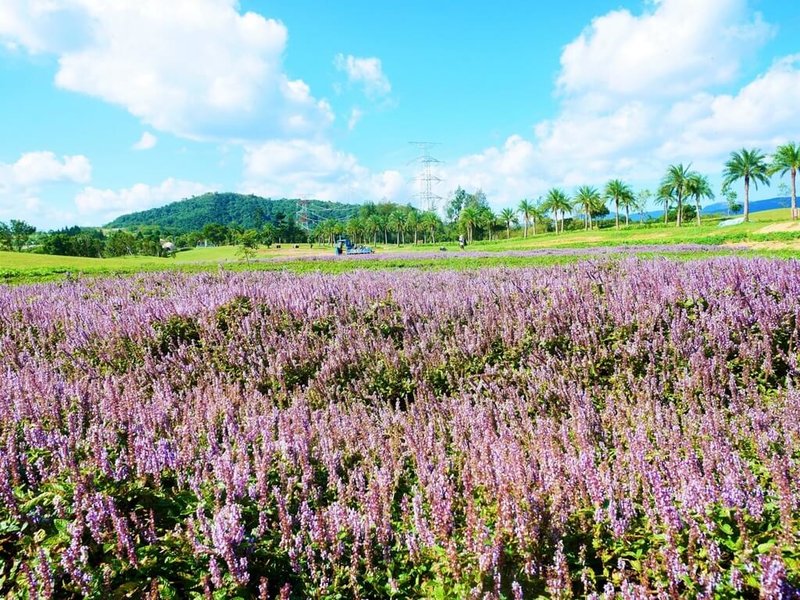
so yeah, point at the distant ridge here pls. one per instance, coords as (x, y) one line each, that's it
(228, 209)
(722, 208)
(755, 206)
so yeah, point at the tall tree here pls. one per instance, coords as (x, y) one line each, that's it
(642, 200)
(20, 233)
(355, 229)
(750, 165)
(456, 204)
(469, 219)
(787, 160)
(558, 203)
(666, 198)
(412, 223)
(430, 223)
(524, 208)
(587, 200)
(699, 188)
(675, 182)
(537, 213)
(371, 227)
(397, 222)
(215, 233)
(487, 220)
(621, 194)
(5, 237)
(508, 216)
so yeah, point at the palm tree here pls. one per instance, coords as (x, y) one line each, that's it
(371, 228)
(587, 199)
(354, 228)
(508, 216)
(430, 222)
(642, 199)
(537, 214)
(787, 160)
(412, 223)
(750, 165)
(665, 196)
(558, 203)
(699, 187)
(469, 218)
(621, 193)
(397, 222)
(524, 208)
(382, 222)
(487, 220)
(676, 181)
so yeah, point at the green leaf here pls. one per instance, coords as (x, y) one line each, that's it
(765, 547)
(166, 590)
(61, 526)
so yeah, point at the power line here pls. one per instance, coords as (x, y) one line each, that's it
(310, 213)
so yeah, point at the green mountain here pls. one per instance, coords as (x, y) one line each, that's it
(228, 209)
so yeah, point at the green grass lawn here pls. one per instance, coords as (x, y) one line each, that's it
(770, 233)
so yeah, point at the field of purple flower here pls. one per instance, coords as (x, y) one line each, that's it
(626, 429)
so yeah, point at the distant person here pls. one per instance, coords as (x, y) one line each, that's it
(461, 242)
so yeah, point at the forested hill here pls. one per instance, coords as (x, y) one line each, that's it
(195, 213)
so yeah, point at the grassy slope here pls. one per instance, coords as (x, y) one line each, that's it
(770, 233)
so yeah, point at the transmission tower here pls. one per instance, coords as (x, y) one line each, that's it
(309, 213)
(302, 213)
(307, 218)
(426, 178)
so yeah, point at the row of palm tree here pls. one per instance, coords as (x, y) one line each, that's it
(376, 227)
(786, 160)
(588, 202)
(679, 185)
(753, 167)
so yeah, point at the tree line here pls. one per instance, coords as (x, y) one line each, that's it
(680, 192)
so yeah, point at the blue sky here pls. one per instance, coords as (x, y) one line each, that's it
(108, 108)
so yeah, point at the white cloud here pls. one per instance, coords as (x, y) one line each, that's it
(42, 25)
(763, 114)
(22, 183)
(147, 142)
(675, 47)
(640, 92)
(303, 168)
(355, 116)
(365, 71)
(102, 205)
(195, 68)
(35, 168)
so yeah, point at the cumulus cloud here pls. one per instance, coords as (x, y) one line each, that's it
(367, 72)
(762, 113)
(638, 92)
(195, 68)
(674, 48)
(22, 183)
(102, 205)
(36, 168)
(147, 142)
(303, 168)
